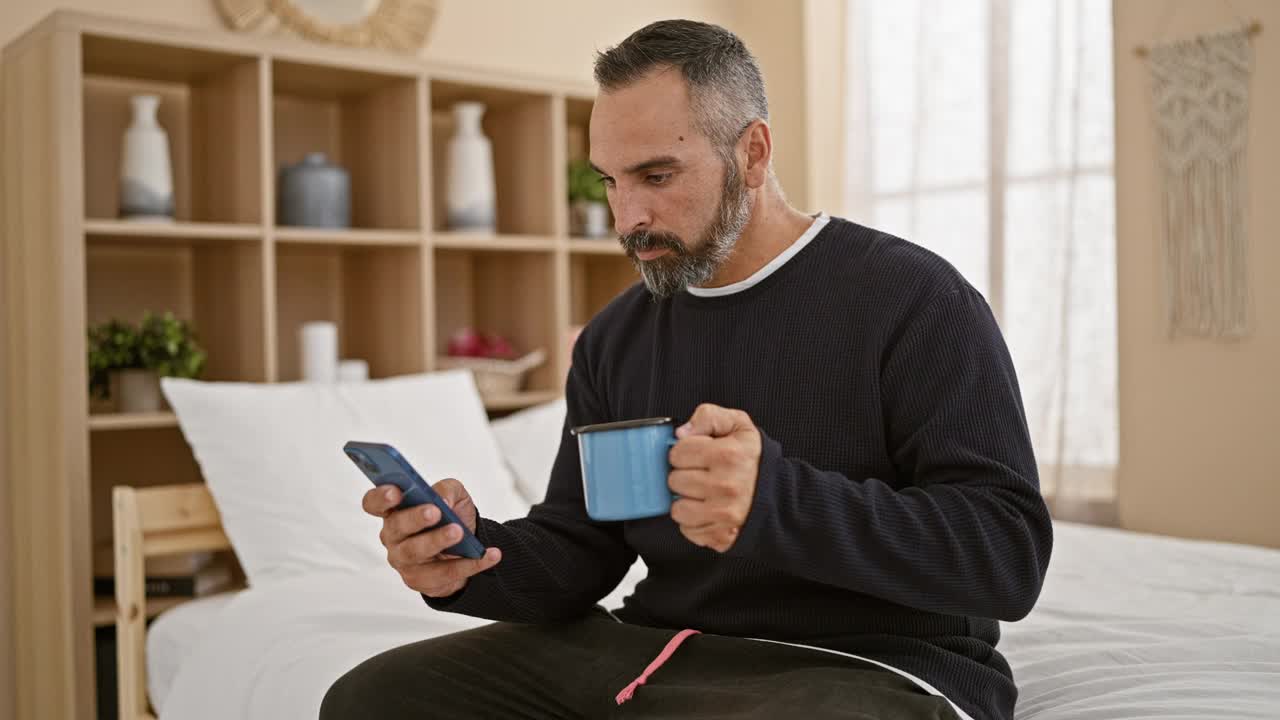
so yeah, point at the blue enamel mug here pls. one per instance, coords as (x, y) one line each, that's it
(625, 468)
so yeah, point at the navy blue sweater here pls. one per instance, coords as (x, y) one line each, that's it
(897, 512)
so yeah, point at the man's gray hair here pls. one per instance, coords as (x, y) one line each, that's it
(726, 90)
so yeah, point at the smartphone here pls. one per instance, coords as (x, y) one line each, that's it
(384, 465)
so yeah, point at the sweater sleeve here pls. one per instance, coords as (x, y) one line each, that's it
(557, 562)
(964, 529)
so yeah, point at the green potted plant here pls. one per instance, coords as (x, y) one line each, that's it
(588, 206)
(126, 361)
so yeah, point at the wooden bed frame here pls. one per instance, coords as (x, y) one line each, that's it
(163, 520)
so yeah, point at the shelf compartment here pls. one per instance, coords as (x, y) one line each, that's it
(326, 236)
(182, 231)
(480, 241)
(209, 107)
(214, 283)
(577, 115)
(519, 126)
(130, 58)
(504, 292)
(577, 144)
(132, 421)
(520, 400)
(139, 457)
(596, 246)
(596, 279)
(373, 294)
(104, 608)
(364, 122)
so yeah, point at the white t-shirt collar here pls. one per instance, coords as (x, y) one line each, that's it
(815, 227)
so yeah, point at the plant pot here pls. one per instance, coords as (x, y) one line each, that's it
(136, 391)
(590, 219)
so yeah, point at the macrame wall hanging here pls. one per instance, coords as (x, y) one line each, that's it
(1200, 95)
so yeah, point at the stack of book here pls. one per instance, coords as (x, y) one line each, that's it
(188, 575)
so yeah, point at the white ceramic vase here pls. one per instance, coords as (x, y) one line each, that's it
(146, 177)
(470, 189)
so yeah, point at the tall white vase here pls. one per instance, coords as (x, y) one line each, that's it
(471, 193)
(146, 178)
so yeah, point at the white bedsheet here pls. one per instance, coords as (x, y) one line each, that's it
(1127, 626)
(172, 637)
(1132, 626)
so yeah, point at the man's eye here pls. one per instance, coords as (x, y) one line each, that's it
(658, 178)
(606, 181)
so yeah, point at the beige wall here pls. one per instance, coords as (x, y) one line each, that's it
(1199, 453)
(771, 31)
(546, 38)
(824, 82)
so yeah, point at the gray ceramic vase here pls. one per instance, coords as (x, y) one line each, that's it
(314, 193)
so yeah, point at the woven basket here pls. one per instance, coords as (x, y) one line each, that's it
(495, 377)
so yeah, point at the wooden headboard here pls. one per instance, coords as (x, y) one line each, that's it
(164, 520)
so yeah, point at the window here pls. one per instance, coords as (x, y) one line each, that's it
(982, 130)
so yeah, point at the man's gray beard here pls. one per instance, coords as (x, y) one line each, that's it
(684, 267)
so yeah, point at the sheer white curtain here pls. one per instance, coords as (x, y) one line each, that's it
(982, 129)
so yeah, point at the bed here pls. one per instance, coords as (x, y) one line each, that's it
(1128, 625)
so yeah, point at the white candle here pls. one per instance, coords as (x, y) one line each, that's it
(319, 343)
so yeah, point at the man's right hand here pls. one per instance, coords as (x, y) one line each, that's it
(419, 556)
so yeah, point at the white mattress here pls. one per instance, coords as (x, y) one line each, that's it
(1127, 626)
(1132, 625)
(171, 637)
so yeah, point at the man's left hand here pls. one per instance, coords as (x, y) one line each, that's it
(714, 466)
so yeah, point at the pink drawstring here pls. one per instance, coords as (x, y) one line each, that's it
(663, 656)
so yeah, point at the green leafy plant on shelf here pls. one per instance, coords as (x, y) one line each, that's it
(589, 211)
(162, 344)
(585, 183)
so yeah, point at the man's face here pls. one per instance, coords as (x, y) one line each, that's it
(679, 208)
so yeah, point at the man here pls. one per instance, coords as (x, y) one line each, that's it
(856, 483)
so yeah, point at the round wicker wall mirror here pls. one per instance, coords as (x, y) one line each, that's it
(399, 25)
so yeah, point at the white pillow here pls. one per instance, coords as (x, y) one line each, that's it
(272, 457)
(529, 441)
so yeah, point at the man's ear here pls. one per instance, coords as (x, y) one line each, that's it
(756, 144)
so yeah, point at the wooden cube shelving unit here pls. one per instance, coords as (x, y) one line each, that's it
(237, 108)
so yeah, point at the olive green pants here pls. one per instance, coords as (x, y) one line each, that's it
(575, 670)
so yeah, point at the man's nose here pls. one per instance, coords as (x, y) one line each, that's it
(629, 215)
